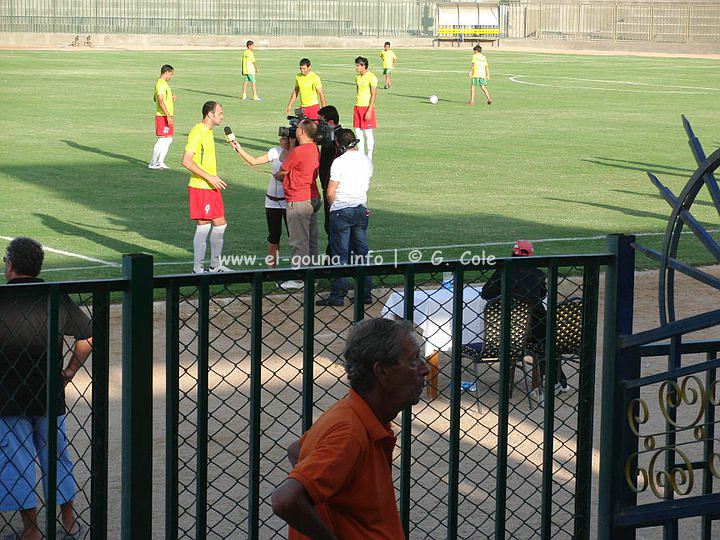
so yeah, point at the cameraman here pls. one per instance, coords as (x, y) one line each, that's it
(347, 191)
(329, 150)
(298, 173)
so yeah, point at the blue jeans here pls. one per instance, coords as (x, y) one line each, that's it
(348, 234)
(23, 439)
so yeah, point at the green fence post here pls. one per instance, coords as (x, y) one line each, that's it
(137, 377)
(54, 355)
(619, 290)
(586, 401)
(551, 372)
(99, 443)
(360, 292)
(504, 402)
(203, 367)
(406, 420)
(172, 405)
(308, 377)
(256, 341)
(455, 392)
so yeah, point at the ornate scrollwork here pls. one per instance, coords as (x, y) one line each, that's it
(679, 479)
(689, 393)
(714, 464)
(636, 420)
(672, 395)
(714, 393)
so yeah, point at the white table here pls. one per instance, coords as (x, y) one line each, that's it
(433, 316)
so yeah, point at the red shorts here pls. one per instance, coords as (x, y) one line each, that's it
(359, 118)
(162, 128)
(311, 111)
(205, 203)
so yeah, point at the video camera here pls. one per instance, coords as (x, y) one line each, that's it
(325, 132)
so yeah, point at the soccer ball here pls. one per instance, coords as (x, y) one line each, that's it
(433, 99)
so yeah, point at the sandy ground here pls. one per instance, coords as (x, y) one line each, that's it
(228, 403)
(507, 46)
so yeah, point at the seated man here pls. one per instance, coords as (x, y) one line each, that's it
(529, 285)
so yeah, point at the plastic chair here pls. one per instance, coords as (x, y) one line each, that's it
(568, 334)
(488, 349)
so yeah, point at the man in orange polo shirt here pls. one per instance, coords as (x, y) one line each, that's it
(341, 484)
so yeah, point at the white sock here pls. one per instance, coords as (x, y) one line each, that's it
(199, 246)
(360, 134)
(165, 149)
(156, 151)
(370, 142)
(216, 245)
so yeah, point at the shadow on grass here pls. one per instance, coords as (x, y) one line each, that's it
(656, 168)
(696, 202)
(101, 152)
(623, 210)
(90, 233)
(149, 211)
(210, 93)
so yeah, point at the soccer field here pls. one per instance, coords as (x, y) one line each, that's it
(560, 155)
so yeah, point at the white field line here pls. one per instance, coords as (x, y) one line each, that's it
(518, 80)
(429, 249)
(663, 88)
(70, 254)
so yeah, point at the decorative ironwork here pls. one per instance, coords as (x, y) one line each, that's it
(680, 478)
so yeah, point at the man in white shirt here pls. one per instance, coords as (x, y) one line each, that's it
(350, 176)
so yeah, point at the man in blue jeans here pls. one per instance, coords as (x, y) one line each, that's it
(350, 176)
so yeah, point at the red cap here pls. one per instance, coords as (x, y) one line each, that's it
(523, 248)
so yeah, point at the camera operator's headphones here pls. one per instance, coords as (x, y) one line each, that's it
(351, 144)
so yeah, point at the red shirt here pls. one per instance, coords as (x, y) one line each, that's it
(302, 164)
(345, 465)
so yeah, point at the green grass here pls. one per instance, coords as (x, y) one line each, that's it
(562, 160)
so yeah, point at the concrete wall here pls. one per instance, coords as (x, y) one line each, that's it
(145, 41)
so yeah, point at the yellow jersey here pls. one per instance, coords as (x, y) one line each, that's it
(202, 145)
(162, 88)
(364, 84)
(388, 58)
(479, 62)
(307, 88)
(248, 62)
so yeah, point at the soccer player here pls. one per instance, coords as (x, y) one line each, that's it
(164, 123)
(249, 69)
(309, 87)
(364, 112)
(389, 60)
(206, 204)
(479, 74)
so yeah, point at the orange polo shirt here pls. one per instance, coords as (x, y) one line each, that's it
(345, 466)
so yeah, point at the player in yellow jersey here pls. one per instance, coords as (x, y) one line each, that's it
(206, 204)
(249, 69)
(479, 74)
(364, 120)
(389, 60)
(164, 122)
(309, 87)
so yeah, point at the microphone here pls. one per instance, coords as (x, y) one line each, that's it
(229, 135)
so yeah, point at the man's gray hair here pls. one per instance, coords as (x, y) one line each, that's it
(370, 341)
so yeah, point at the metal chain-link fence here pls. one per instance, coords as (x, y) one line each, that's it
(293, 328)
(73, 314)
(248, 366)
